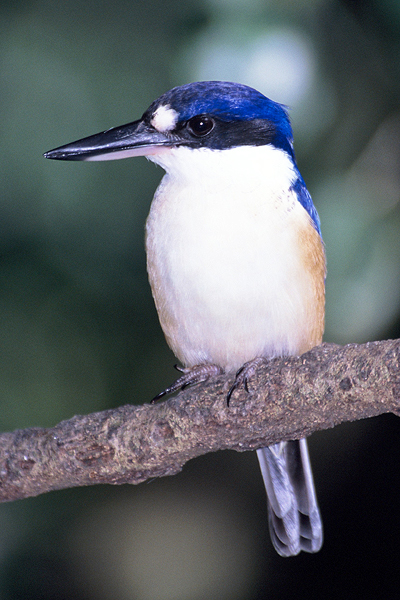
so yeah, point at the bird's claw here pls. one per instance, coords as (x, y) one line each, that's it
(243, 375)
(191, 376)
(200, 373)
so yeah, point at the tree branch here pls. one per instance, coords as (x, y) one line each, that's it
(289, 398)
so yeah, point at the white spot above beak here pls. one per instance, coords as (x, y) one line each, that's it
(164, 119)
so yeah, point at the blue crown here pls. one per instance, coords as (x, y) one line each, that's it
(225, 100)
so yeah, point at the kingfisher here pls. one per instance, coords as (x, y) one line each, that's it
(235, 257)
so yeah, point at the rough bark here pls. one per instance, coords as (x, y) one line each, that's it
(288, 398)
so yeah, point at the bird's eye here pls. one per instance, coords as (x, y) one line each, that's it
(200, 125)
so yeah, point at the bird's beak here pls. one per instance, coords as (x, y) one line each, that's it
(133, 139)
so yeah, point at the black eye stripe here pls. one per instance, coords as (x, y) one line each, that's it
(215, 132)
(200, 125)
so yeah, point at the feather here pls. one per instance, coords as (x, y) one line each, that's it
(294, 518)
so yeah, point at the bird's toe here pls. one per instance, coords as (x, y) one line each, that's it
(191, 376)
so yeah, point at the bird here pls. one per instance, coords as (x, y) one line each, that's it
(235, 257)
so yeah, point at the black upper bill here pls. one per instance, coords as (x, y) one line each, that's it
(133, 139)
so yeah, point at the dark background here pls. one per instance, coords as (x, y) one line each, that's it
(78, 329)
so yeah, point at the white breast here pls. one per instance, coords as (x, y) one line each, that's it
(224, 259)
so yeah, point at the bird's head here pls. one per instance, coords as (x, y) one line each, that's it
(209, 114)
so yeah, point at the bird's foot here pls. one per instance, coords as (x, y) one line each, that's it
(244, 374)
(191, 376)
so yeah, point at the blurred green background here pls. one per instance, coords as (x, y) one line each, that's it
(78, 328)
